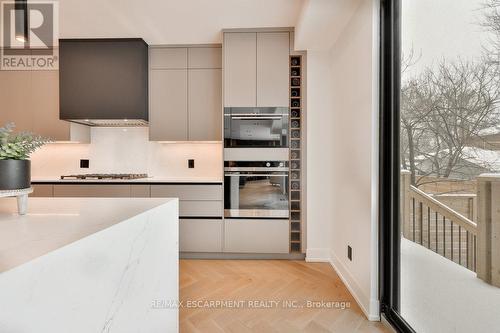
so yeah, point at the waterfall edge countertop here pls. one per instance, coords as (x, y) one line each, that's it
(89, 265)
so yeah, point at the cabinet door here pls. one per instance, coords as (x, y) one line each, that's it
(203, 235)
(45, 106)
(240, 69)
(205, 57)
(15, 89)
(168, 110)
(256, 236)
(168, 58)
(272, 68)
(205, 104)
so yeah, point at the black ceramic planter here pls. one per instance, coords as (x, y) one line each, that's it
(15, 174)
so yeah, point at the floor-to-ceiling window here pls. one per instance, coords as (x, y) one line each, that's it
(445, 103)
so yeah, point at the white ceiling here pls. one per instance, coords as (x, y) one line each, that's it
(171, 21)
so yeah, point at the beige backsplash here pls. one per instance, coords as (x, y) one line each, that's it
(127, 150)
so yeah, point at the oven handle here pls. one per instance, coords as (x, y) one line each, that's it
(254, 118)
(257, 169)
(253, 115)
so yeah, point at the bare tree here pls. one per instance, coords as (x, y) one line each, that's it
(416, 106)
(468, 96)
(442, 110)
(491, 21)
(412, 111)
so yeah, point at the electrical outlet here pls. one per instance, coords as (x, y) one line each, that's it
(191, 163)
(84, 164)
(349, 252)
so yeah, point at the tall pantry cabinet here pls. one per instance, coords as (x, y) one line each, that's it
(256, 67)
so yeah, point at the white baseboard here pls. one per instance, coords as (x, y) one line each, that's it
(318, 255)
(370, 307)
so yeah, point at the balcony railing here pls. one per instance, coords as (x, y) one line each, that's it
(436, 226)
(488, 221)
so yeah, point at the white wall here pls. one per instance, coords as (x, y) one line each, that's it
(320, 157)
(355, 96)
(128, 150)
(342, 154)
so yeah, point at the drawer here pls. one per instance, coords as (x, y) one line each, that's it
(187, 192)
(99, 191)
(42, 190)
(200, 208)
(200, 235)
(140, 191)
(256, 236)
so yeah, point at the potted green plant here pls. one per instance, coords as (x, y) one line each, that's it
(15, 150)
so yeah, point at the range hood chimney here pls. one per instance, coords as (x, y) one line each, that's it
(104, 82)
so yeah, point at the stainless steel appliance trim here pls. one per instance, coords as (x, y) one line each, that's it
(255, 118)
(256, 174)
(256, 169)
(255, 115)
(111, 122)
(256, 154)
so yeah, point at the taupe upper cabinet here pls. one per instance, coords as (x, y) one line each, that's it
(205, 100)
(185, 94)
(168, 58)
(240, 69)
(168, 110)
(204, 57)
(272, 68)
(256, 69)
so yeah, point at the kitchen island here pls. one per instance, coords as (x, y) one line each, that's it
(89, 265)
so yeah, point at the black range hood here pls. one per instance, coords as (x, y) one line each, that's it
(104, 82)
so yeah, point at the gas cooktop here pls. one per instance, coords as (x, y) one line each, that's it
(107, 176)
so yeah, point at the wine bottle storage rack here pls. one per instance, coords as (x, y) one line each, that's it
(296, 110)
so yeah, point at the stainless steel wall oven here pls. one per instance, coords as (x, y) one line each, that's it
(256, 189)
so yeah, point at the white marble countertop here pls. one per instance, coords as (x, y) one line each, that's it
(51, 223)
(151, 180)
(85, 265)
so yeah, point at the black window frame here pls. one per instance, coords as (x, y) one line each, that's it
(389, 164)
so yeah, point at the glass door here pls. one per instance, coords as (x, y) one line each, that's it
(440, 162)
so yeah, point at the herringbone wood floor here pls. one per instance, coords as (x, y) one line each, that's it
(261, 280)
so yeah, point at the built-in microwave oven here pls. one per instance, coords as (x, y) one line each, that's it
(249, 127)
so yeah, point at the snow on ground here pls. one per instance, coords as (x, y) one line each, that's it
(439, 296)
